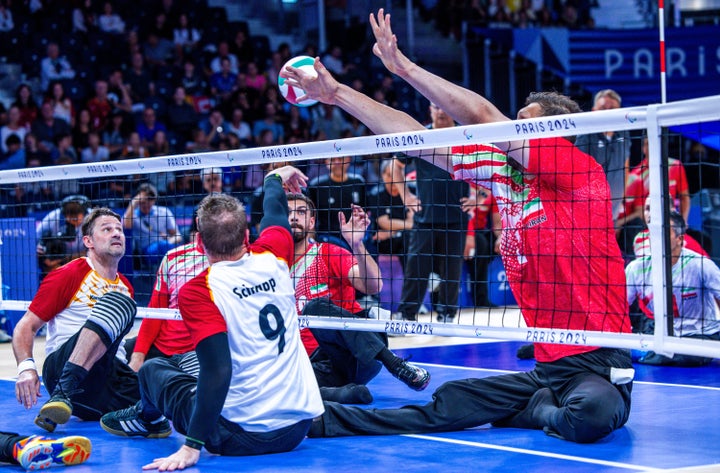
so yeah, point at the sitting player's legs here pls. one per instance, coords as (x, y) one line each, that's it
(78, 371)
(36, 453)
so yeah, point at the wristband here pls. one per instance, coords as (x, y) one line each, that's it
(26, 364)
(273, 175)
(194, 443)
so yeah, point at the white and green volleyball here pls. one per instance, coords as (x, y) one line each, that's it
(291, 94)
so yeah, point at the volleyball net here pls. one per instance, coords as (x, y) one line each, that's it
(473, 284)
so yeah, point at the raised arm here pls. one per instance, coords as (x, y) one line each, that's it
(364, 276)
(378, 117)
(464, 106)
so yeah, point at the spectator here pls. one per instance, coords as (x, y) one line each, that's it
(181, 115)
(185, 38)
(82, 128)
(611, 149)
(54, 67)
(149, 125)
(12, 127)
(47, 128)
(695, 294)
(134, 147)
(241, 48)
(110, 22)
(194, 83)
(158, 51)
(480, 241)
(14, 157)
(116, 133)
(223, 52)
(224, 82)
(340, 191)
(240, 127)
(335, 63)
(437, 240)
(160, 145)
(6, 18)
(59, 234)
(215, 127)
(153, 226)
(95, 152)
(33, 151)
(138, 78)
(630, 221)
(328, 122)
(64, 150)
(100, 106)
(254, 79)
(271, 122)
(297, 126)
(83, 17)
(27, 105)
(119, 92)
(62, 105)
(393, 221)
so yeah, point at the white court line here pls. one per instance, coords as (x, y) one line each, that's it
(534, 452)
(493, 370)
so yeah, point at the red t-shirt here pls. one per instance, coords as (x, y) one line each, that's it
(323, 272)
(558, 245)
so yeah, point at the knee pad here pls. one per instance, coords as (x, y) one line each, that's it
(114, 314)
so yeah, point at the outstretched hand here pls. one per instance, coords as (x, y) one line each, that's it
(292, 178)
(322, 87)
(385, 47)
(353, 230)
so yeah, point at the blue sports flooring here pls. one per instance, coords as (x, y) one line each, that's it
(673, 425)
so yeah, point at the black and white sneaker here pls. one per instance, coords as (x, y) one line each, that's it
(128, 423)
(415, 377)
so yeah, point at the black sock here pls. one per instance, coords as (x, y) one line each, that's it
(348, 394)
(7, 442)
(389, 359)
(72, 376)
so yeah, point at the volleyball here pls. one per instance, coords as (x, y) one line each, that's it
(291, 94)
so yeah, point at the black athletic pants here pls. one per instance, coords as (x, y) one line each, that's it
(7, 442)
(343, 356)
(433, 249)
(583, 406)
(172, 392)
(109, 386)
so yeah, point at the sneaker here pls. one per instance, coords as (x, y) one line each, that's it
(415, 377)
(38, 453)
(445, 318)
(56, 411)
(127, 423)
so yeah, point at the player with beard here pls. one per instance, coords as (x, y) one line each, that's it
(326, 277)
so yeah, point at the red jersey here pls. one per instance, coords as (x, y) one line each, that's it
(323, 272)
(558, 244)
(66, 297)
(638, 185)
(171, 337)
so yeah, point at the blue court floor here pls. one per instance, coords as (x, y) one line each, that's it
(674, 424)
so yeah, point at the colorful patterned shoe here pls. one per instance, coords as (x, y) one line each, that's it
(38, 453)
(56, 411)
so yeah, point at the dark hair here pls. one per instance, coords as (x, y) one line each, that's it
(75, 204)
(89, 224)
(553, 103)
(677, 222)
(308, 201)
(148, 189)
(13, 139)
(222, 224)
